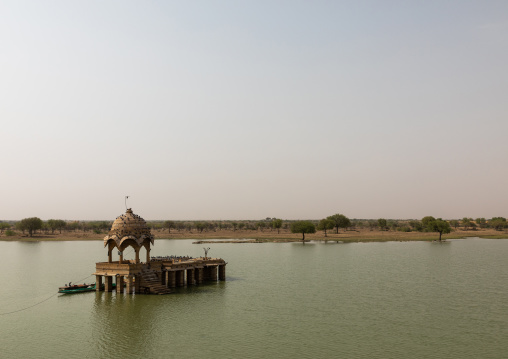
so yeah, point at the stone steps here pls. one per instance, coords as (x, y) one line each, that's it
(150, 281)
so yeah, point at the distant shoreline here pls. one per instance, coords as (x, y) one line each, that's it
(246, 236)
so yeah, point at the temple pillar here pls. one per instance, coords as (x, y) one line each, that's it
(179, 278)
(190, 276)
(137, 254)
(137, 280)
(119, 283)
(121, 257)
(110, 255)
(108, 283)
(206, 273)
(148, 255)
(129, 284)
(182, 278)
(98, 283)
(213, 273)
(222, 272)
(198, 275)
(163, 277)
(171, 283)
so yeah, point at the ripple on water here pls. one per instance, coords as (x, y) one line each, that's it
(376, 300)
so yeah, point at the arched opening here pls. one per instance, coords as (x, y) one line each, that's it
(129, 255)
(111, 244)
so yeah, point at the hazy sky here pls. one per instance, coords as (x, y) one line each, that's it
(253, 109)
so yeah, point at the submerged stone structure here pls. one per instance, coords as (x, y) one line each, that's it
(156, 275)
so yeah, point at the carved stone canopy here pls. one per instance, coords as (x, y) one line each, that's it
(129, 226)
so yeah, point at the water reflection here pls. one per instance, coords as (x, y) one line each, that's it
(122, 325)
(370, 300)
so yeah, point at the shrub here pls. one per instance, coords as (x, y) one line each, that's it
(10, 233)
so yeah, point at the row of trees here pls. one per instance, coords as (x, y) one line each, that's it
(497, 223)
(201, 226)
(34, 224)
(428, 224)
(336, 222)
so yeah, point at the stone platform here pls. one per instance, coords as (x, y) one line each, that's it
(159, 275)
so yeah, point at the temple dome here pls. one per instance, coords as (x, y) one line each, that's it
(129, 226)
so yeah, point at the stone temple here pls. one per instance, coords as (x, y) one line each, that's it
(158, 275)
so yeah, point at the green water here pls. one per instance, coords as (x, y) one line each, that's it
(370, 300)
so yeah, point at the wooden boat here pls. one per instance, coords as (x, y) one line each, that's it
(79, 288)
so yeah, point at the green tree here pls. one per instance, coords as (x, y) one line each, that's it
(393, 225)
(466, 223)
(382, 224)
(200, 226)
(454, 223)
(261, 226)
(498, 223)
(20, 227)
(168, 225)
(52, 224)
(340, 221)
(416, 225)
(426, 221)
(303, 227)
(325, 224)
(45, 227)
(31, 224)
(72, 226)
(438, 225)
(4, 226)
(482, 222)
(277, 224)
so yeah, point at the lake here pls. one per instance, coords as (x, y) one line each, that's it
(280, 300)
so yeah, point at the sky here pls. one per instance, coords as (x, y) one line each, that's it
(252, 109)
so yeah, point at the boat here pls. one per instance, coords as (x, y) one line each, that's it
(79, 288)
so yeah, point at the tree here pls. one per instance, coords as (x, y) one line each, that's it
(52, 224)
(169, 225)
(261, 226)
(467, 222)
(303, 227)
(4, 226)
(416, 225)
(325, 224)
(382, 224)
(277, 223)
(426, 221)
(455, 223)
(498, 223)
(481, 222)
(340, 221)
(200, 226)
(393, 225)
(437, 225)
(31, 224)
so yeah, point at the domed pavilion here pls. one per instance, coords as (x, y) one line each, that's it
(158, 275)
(129, 230)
